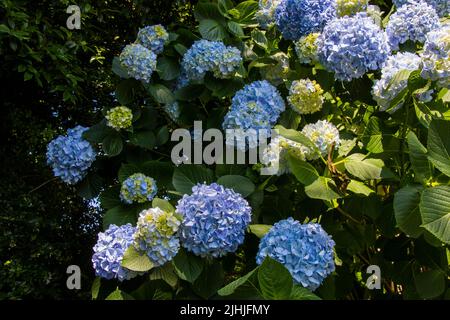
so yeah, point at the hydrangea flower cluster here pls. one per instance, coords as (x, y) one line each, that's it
(351, 46)
(119, 117)
(153, 38)
(436, 56)
(278, 72)
(138, 188)
(214, 220)
(350, 7)
(70, 156)
(323, 134)
(156, 237)
(306, 250)
(266, 12)
(139, 61)
(274, 156)
(257, 106)
(305, 96)
(109, 250)
(411, 21)
(297, 18)
(383, 91)
(210, 56)
(442, 7)
(306, 48)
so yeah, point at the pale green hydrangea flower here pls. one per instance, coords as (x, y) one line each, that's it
(119, 117)
(306, 48)
(305, 96)
(350, 7)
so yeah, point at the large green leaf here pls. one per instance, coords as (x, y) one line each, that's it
(210, 280)
(109, 198)
(419, 159)
(275, 280)
(143, 139)
(118, 69)
(439, 145)
(231, 288)
(120, 215)
(303, 171)
(259, 230)
(187, 266)
(407, 212)
(162, 204)
(300, 293)
(359, 188)
(435, 211)
(365, 169)
(112, 144)
(373, 136)
(322, 189)
(135, 261)
(90, 186)
(212, 30)
(239, 184)
(187, 176)
(296, 136)
(161, 93)
(168, 68)
(430, 284)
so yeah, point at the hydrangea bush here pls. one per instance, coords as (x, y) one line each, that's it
(354, 98)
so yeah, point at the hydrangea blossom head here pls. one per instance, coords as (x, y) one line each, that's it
(276, 73)
(257, 106)
(156, 236)
(265, 14)
(153, 38)
(442, 7)
(210, 56)
(109, 250)
(411, 21)
(119, 117)
(214, 220)
(350, 7)
(297, 18)
(436, 57)
(306, 250)
(352, 46)
(306, 48)
(70, 156)
(138, 188)
(323, 134)
(139, 61)
(305, 96)
(383, 90)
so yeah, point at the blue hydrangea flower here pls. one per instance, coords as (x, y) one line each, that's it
(442, 7)
(139, 61)
(266, 12)
(210, 56)
(138, 188)
(305, 250)
(70, 156)
(352, 46)
(297, 18)
(411, 21)
(153, 38)
(214, 220)
(257, 106)
(436, 56)
(156, 236)
(109, 250)
(383, 90)
(323, 134)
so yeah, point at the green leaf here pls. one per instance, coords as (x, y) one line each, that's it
(125, 91)
(430, 284)
(223, 87)
(119, 216)
(259, 230)
(303, 171)
(365, 169)
(161, 93)
(143, 139)
(162, 204)
(439, 145)
(90, 186)
(275, 280)
(419, 159)
(231, 288)
(119, 295)
(239, 184)
(415, 81)
(166, 273)
(296, 136)
(407, 212)
(163, 136)
(260, 38)
(95, 289)
(235, 28)
(359, 188)
(168, 69)
(205, 11)
(109, 198)
(134, 261)
(127, 170)
(187, 176)
(212, 30)
(373, 136)
(112, 144)
(209, 281)
(97, 132)
(320, 189)
(300, 293)
(187, 266)
(189, 92)
(435, 211)
(244, 12)
(118, 69)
